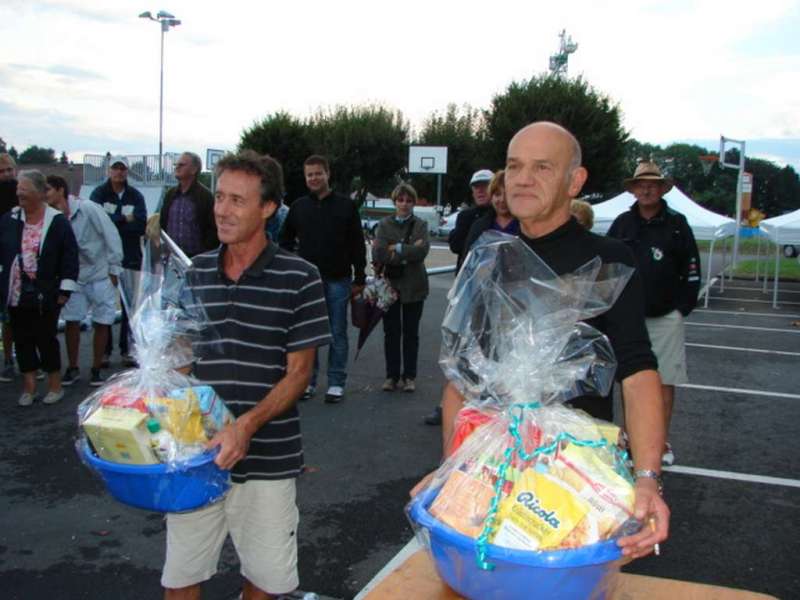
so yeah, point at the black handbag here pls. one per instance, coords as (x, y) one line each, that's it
(396, 271)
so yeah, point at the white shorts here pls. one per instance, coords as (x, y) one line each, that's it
(261, 517)
(99, 296)
(668, 341)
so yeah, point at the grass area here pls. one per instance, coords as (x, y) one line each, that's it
(789, 268)
(746, 246)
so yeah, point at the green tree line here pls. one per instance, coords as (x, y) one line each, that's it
(368, 147)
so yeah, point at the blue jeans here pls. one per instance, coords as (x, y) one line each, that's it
(337, 297)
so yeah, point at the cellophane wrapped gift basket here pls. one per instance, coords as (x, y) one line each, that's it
(144, 432)
(533, 495)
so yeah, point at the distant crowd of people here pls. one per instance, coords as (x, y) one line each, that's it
(278, 280)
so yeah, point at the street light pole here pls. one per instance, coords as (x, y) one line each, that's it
(166, 20)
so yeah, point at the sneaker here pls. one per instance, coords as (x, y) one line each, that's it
(128, 360)
(39, 375)
(409, 386)
(390, 384)
(334, 395)
(53, 397)
(668, 458)
(435, 417)
(26, 399)
(308, 394)
(70, 376)
(96, 379)
(8, 373)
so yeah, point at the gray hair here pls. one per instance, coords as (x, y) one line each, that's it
(36, 178)
(196, 162)
(6, 157)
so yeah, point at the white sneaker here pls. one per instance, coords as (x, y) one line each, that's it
(668, 458)
(26, 399)
(334, 395)
(308, 394)
(53, 397)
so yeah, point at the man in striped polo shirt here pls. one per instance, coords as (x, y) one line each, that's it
(268, 307)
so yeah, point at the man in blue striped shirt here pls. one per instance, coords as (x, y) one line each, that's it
(268, 309)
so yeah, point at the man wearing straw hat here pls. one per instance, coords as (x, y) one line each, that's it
(666, 254)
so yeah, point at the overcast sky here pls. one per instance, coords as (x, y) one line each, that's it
(82, 75)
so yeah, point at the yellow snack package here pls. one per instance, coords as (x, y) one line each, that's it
(538, 514)
(119, 435)
(180, 416)
(463, 503)
(609, 496)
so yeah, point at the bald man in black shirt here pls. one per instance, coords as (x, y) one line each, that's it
(543, 174)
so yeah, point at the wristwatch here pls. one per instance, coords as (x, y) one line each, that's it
(649, 474)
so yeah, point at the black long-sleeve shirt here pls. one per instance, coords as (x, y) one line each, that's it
(327, 233)
(666, 255)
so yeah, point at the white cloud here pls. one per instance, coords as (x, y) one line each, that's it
(678, 69)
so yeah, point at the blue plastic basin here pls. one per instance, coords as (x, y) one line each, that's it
(575, 574)
(153, 487)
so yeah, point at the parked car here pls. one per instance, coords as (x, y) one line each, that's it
(447, 224)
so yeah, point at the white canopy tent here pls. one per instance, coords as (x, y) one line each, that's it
(705, 224)
(781, 230)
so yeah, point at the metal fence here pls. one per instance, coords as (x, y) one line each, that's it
(142, 169)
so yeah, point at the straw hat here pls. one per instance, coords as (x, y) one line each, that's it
(647, 170)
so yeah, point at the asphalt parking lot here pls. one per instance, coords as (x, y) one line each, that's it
(734, 490)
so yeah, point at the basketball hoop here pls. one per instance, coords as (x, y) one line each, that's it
(707, 161)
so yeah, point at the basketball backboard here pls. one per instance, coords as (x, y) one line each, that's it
(427, 159)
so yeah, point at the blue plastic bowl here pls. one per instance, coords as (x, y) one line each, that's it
(153, 487)
(575, 574)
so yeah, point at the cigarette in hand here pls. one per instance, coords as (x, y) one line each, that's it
(656, 547)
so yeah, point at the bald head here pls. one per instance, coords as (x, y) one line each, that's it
(543, 174)
(559, 132)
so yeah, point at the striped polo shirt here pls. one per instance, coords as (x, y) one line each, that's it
(277, 306)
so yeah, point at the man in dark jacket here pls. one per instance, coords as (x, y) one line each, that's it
(479, 182)
(667, 257)
(8, 200)
(125, 205)
(187, 213)
(324, 228)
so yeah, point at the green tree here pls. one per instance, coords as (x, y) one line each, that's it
(36, 155)
(462, 131)
(366, 146)
(12, 152)
(590, 115)
(286, 139)
(63, 160)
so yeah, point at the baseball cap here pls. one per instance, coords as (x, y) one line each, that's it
(482, 176)
(118, 159)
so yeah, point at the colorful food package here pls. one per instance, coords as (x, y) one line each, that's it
(170, 331)
(539, 514)
(526, 472)
(120, 435)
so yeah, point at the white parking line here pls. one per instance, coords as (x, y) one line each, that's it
(759, 289)
(742, 313)
(712, 388)
(747, 300)
(734, 476)
(748, 327)
(738, 349)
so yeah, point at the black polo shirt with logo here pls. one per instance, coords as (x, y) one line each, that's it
(276, 307)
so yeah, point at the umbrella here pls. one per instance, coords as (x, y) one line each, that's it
(368, 308)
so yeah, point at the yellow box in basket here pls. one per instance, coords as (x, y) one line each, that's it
(120, 435)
